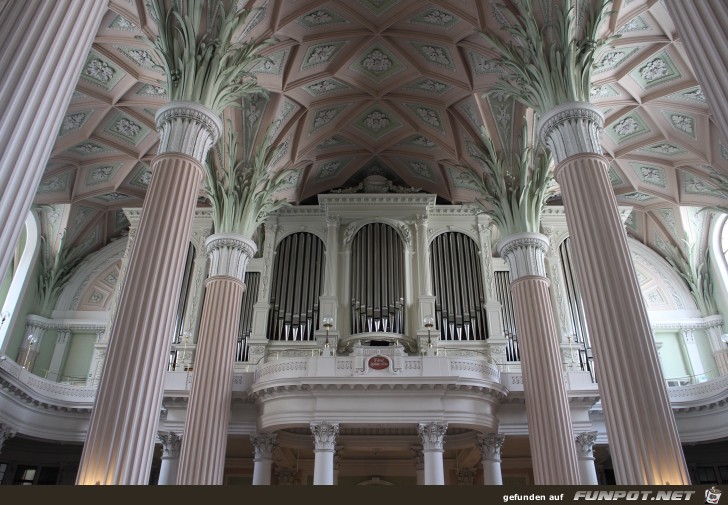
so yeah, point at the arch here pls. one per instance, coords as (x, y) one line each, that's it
(21, 278)
(90, 269)
(402, 229)
(454, 229)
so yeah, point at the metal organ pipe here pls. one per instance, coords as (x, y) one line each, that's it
(250, 297)
(296, 287)
(377, 280)
(458, 287)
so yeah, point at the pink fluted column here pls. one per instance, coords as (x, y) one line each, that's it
(703, 27)
(43, 46)
(202, 460)
(547, 404)
(123, 428)
(643, 438)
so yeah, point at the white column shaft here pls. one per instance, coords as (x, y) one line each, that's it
(323, 471)
(434, 467)
(547, 404)
(492, 475)
(120, 441)
(587, 471)
(168, 470)
(43, 46)
(703, 28)
(202, 460)
(643, 436)
(262, 471)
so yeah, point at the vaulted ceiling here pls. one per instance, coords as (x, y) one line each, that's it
(395, 87)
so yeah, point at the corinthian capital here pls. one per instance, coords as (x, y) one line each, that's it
(490, 445)
(324, 435)
(229, 254)
(264, 444)
(585, 444)
(432, 435)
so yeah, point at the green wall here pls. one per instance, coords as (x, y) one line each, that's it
(672, 357)
(78, 356)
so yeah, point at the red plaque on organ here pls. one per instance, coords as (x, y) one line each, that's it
(378, 362)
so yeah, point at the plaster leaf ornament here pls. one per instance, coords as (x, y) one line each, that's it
(100, 174)
(320, 54)
(142, 57)
(654, 70)
(201, 62)
(323, 86)
(73, 121)
(438, 17)
(377, 61)
(127, 127)
(323, 117)
(242, 192)
(376, 121)
(682, 123)
(436, 55)
(429, 116)
(696, 94)
(432, 86)
(89, 148)
(423, 142)
(627, 126)
(318, 17)
(534, 72)
(99, 70)
(665, 149)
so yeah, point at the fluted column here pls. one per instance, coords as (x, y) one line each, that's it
(547, 405)
(123, 426)
(43, 46)
(202, 460)
(433, 437)
(585, 450)
(324, 437)
(263, 445)
(6, 433)
(171, 443)
(419, 458)
(640, 424)
(703, 28)
(490, 446)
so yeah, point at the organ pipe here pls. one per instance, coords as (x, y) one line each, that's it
(296, 287)
(458, 287)
(377, 280)
(250, 297)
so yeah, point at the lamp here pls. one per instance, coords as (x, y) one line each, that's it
(328, 322)
(429, 322)
(724, 338)
(32, 339)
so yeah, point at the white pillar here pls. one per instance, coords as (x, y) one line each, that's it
(263, 445)
(636, 406)
(324, 436)
(43, 46)
(417, 455)
(171, 443)
(585, 452)
(547, 403)
(432, 435)
(490, 446)
(6, 433)
(202, 457)
(123, 428)
(63, 337)
(703, 28)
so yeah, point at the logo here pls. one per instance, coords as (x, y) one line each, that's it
(712, 495)
(378, 362)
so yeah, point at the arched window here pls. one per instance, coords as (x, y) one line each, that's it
(457, 280)
(377, 280)
(296, 287)
(580, 337)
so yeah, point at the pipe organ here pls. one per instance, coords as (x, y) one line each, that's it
(296, 285)
(503, 292)
(580, 338)
(377, 280)
(458, 287)
(250, 297)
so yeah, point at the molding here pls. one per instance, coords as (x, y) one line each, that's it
(525, 254)
(229, 255)
(187, 128)
(570, 129)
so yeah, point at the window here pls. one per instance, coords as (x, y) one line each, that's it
(25, 475)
